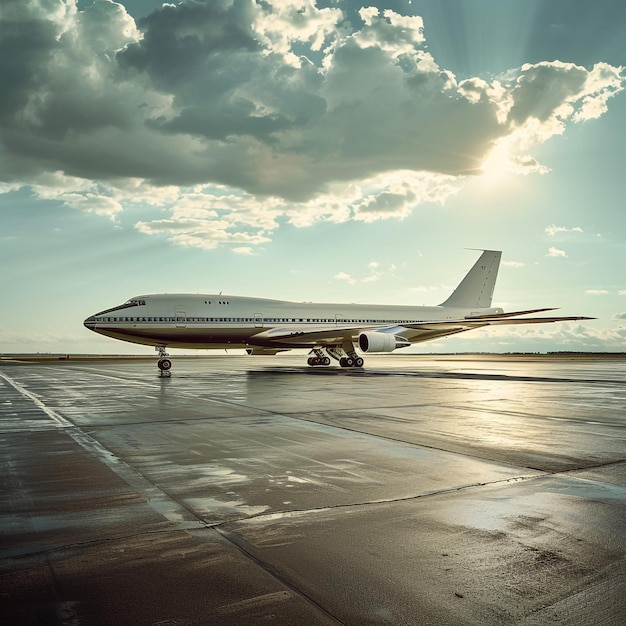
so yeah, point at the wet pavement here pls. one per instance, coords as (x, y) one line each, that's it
(254, 490)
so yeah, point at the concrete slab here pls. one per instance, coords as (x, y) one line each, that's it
(423, 490)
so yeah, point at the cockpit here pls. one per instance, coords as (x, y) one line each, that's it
(129, 303)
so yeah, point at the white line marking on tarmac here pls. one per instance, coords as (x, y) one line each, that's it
(158, 499)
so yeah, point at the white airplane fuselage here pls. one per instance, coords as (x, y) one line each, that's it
(218, 321)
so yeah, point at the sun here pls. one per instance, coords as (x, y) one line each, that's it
(498, 165)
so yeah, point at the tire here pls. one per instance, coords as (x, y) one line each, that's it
(165, 365)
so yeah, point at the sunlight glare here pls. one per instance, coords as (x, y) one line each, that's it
(497, 165)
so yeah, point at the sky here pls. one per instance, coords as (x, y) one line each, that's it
(332, 151)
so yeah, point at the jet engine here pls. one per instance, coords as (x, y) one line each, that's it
(381, 342)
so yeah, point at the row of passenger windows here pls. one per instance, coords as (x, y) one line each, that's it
(175, 319)
(268, 320)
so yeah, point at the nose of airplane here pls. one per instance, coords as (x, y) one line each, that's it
(90, 322)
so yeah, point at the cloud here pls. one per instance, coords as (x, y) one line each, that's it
(515, 264)
(425, 289)
(243, 250)
(555, 252)
(280, 105)
(596, 292)
(373, 273)
(203, 228)
(553, 229)
(344, 276)
(619, 316)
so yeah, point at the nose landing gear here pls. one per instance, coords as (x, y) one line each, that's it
(164, 364)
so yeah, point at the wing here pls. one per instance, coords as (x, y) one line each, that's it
(332, 335)
(468, 323)
(301, 336)
(424, 331)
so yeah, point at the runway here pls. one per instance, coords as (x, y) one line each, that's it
(257, 490)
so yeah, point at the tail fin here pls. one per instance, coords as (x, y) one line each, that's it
(476, 289)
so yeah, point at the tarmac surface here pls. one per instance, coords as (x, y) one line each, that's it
(257, 490)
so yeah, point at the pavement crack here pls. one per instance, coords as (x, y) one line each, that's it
(246, 550)
(365, 503)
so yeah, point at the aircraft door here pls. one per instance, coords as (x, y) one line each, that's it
(258, 320)
(181, 319)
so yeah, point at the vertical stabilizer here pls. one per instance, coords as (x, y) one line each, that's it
(476, 289)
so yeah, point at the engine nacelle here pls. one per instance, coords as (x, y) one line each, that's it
(381, 342)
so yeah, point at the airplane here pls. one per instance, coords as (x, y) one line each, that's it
(330, 331)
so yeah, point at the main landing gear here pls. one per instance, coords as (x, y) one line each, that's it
(319, 358)
(351, 361)
(346, 355)
(164, 364)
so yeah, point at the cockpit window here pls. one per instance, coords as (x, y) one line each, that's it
(126, 305)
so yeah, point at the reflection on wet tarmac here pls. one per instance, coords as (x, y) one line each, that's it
(421, 490)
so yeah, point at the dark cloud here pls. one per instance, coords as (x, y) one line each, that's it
(224, 81)
(192, 41)
(214, 92)
(25, 46)
(543, 88)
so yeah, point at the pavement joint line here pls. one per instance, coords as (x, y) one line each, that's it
(597, 466)
(348, 505)
(242, 546)
(99, 541)
(419, 445)
(130, 475)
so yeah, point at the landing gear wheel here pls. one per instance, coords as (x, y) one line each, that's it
(342, 361)
(318, 359)
(358, 362)
(165, 365)
(315, 360)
